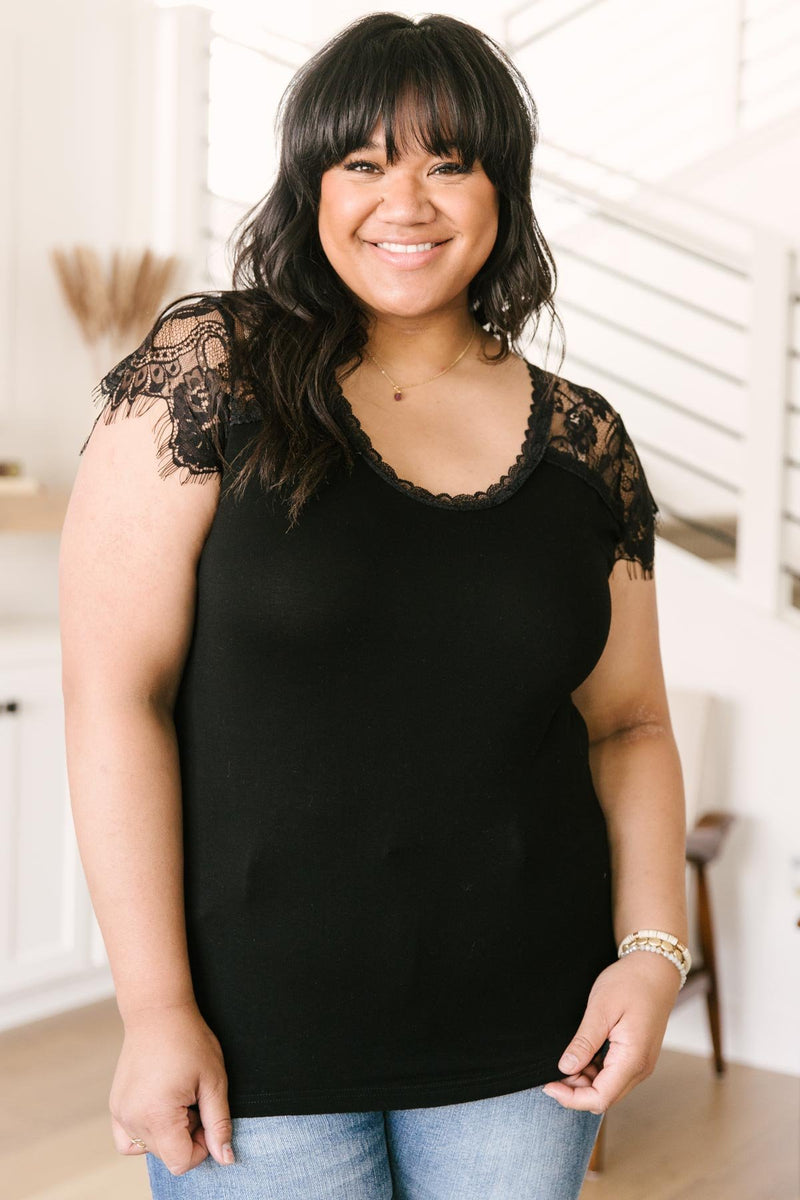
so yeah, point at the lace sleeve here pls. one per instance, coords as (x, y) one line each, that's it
(181, 370)
(639, 514)
(588, 436)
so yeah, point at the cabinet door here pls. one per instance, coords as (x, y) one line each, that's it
(46, 922)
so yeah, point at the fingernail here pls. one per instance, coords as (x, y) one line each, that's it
(550, 1094)
(227, 1153)
(567, 1062)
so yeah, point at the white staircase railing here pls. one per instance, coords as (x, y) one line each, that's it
(654, 87)
(688, 320)
(768, 61)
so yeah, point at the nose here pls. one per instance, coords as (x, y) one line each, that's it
(404, 200)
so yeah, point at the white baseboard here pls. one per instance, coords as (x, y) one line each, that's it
(23, 1007)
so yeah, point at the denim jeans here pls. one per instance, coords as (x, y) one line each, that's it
(520, 1146)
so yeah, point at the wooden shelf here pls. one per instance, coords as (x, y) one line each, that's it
(37, 512)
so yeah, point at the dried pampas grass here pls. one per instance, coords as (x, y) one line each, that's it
(115, 307)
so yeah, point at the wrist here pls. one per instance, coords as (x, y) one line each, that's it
(660, 942)
(146, 1011)
(655, 967)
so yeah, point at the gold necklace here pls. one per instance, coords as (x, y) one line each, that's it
(398, 389)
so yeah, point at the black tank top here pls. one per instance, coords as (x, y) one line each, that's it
(397, 873)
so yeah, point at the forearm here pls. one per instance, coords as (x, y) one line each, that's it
(638, 779)
(124, 777)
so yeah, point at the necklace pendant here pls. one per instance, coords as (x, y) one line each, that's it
(398, 395)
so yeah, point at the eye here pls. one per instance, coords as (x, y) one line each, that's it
(358, 162)
(455, 168)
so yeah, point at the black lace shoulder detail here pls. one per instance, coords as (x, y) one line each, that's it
(182, 369)
(588, 436)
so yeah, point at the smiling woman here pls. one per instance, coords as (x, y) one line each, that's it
(415, 213)
(389, 136)
(386, 772)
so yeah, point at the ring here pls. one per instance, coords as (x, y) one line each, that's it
(138, 1142)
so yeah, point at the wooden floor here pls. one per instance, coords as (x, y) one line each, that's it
(681, 1135)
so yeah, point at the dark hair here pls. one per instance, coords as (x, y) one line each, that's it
(300, 324)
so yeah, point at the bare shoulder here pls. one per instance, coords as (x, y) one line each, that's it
(142, 503)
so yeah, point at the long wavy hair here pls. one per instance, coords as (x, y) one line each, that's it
(297, 326)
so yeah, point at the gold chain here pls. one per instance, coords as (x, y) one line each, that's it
(398, 389)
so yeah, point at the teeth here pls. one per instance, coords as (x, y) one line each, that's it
(396, 248)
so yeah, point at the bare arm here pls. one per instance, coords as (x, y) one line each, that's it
(637, 776)
(125, 788)
(127, 579)
(636, 767)
(126, 596)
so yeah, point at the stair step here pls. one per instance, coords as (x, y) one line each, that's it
(714, 539)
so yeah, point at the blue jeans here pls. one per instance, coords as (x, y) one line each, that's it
(520, 1146)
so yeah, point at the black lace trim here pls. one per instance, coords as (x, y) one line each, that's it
(183, 364)
(590, 439)
(531, 452)
(574, 427)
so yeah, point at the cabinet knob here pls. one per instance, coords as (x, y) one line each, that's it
(8, 706)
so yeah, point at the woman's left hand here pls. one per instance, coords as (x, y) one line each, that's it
(629, 1005)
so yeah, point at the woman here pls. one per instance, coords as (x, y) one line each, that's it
(369, 749)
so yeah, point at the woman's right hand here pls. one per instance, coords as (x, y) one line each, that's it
(170, 1059)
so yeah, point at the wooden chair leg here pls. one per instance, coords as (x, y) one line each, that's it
(597, 1161)
(706, 934)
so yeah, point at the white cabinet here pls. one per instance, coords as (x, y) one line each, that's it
(51, 953)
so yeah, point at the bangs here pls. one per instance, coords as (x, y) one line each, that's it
(416, 114)
(422, 97)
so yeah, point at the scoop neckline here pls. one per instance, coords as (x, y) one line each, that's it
(531, 451)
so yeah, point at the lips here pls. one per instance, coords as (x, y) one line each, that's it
(397, 242)
(407, 259)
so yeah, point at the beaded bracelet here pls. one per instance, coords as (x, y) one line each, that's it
(656, 941)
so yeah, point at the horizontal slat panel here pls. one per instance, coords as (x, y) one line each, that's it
(684, 492)
(583, 186)
(791, 546)
(695, 393)
(679, 434)
(646, 256)
(794, 325)
(677, 437)
(662, 76)
(793, 434)
(792, 495)
(677, 131)
(644, 310)
(687, 484)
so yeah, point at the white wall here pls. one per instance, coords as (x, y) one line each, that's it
(77, 172)
(75, 143)
(710, 639)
